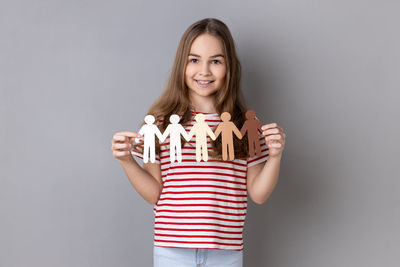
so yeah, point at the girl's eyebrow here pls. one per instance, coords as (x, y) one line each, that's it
(217, 55)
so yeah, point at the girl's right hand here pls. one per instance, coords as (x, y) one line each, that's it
(121, 144)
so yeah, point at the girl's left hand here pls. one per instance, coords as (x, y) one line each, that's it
(274, 138)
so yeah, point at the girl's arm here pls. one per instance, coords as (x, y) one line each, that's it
(262, 178)
(146, 181)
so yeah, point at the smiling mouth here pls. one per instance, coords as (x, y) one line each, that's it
(204, 82)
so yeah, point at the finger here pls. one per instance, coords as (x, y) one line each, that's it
(121, 153)
(125, 136)
(129, 134)
(273, 137)
(276, 129)
(135, 139)
(119, 139)
(122, 146)
(275, 145)
(267, 126)
(271, 131)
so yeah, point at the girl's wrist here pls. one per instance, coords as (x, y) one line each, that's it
(277, 157)
(127, 160)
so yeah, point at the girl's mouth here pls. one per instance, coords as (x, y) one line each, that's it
(204, 83)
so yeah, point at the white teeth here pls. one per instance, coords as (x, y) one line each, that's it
(204, 82)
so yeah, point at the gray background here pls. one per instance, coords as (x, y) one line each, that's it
(72, 73)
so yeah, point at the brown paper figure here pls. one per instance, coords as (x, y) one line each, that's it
(252, 125)
(201, 129)
(175, 130)
(226, 128)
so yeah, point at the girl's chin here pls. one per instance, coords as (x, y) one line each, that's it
(203, 92)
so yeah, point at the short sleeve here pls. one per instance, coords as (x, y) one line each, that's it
(251, 161)
(139, 154)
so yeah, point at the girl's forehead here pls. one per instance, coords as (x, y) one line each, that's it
(206, 45)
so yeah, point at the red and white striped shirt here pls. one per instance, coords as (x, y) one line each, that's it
(202, 204)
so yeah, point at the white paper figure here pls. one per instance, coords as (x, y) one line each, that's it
(175, 130)
(149, 130)
(201, 129)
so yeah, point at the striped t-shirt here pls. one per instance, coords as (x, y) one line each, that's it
(202, 204)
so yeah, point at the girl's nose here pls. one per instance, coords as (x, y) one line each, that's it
(205, 69)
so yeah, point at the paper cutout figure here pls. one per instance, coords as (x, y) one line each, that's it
(175, 130)
(226, 128)
(149, 130)
(201, 129)
(252, 125)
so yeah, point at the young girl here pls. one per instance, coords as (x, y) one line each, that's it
(200, 207)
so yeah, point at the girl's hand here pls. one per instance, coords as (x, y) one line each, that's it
(274, 138)
(121, 145)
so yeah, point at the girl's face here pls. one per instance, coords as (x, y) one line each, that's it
(206, 68)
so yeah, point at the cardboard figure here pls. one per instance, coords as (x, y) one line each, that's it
(226, 128)
(175, 130)
(149, 130)
(252, 125)
(201, 129)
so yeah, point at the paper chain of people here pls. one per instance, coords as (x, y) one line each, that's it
(226, 129)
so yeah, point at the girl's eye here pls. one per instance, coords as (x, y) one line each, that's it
(195, 60)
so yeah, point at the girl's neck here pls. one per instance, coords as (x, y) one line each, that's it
(203, 104)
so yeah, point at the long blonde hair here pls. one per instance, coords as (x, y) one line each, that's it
(175, 97)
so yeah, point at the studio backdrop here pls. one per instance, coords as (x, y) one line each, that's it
(73, 73)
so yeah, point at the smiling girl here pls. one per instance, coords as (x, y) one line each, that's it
(200, 207)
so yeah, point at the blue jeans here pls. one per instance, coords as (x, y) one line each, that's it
(195, 257)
